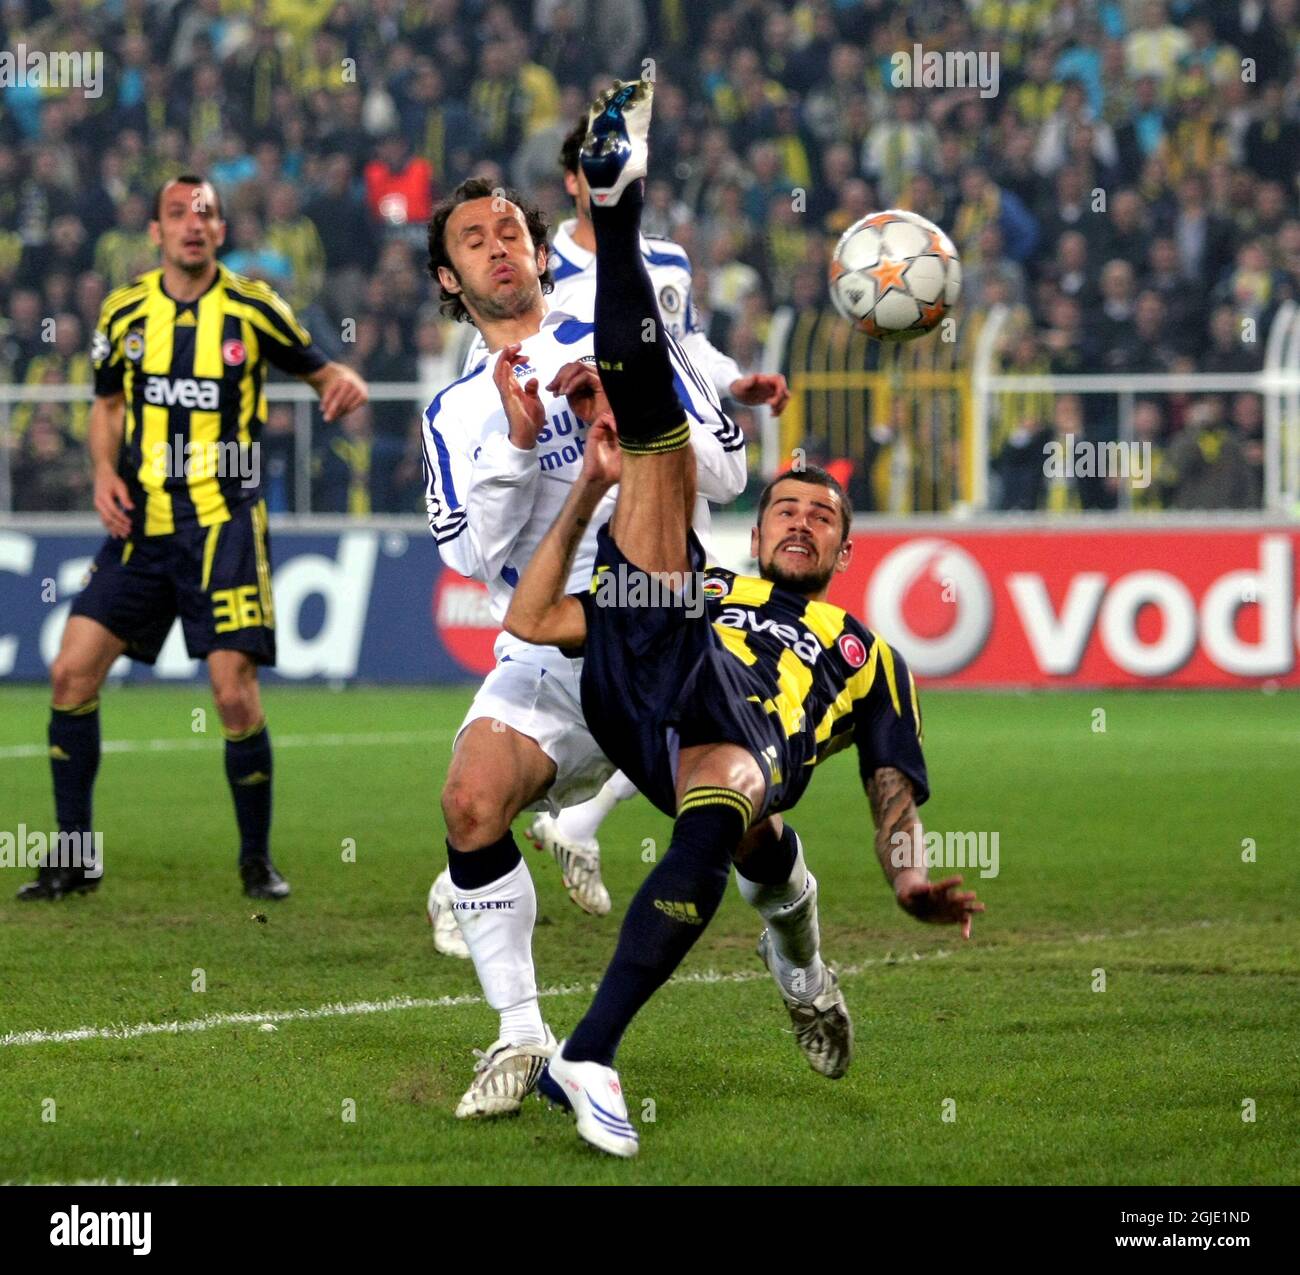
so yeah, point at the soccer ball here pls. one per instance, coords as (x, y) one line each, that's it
(894, 275)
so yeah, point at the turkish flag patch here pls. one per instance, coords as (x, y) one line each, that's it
(854, 652)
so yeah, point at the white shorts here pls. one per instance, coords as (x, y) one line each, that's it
(535, 691)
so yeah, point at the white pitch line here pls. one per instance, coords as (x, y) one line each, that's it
(339, 1010)
(185, 743)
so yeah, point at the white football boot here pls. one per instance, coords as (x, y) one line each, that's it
(595, 1097)
(615, 152)
(579, 864)
(822, 1027)
(447, 937)
(504, 1076)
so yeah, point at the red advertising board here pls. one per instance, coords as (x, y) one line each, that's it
(1132, 607)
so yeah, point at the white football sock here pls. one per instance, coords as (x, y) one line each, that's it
(579, 823)
(497, 921)
(790, 910)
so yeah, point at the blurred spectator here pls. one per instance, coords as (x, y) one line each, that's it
(341, 469)
(399, 185)
(1020, 467)
(127, 250)
(50, 472)
(1206, 464)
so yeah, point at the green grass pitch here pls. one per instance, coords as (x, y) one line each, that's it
(1119, 851)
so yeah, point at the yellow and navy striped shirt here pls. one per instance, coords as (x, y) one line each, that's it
(193, 376)
(826, 678)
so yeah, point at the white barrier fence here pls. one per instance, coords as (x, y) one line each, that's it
(1277, 384)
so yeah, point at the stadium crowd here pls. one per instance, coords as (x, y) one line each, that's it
(1130, 192)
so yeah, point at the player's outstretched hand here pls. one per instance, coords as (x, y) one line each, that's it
(111, 499)
(580, 384)
(762, 387)
(939, 902)
(343, 392)
(602, 459)
(524, 412)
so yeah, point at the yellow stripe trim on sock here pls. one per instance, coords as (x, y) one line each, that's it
(671, 441)
(77, 710)
(705, 796)
(238, 736)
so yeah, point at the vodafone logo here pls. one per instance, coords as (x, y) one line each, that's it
(1149, 622)
(1090, 607)
(931, 600)
(463, 618)
(232, 352)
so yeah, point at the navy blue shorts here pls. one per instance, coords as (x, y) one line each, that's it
(216, 579)
(656, 679)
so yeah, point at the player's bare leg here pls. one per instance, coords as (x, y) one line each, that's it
(86, 653)
(238, 700)
(495, 773)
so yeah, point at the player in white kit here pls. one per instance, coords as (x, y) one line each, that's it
(502, 446)
(570, 835)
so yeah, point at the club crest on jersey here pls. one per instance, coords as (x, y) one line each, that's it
(232, 352)
(670, 299)
(133, 345)
(713, 588)
(854, 651)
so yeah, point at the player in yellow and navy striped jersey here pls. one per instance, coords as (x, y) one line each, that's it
(716, 694)
(181, 356)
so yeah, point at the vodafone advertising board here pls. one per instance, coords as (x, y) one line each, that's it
(1137, 607)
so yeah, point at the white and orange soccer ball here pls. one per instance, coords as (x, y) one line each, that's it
(894, 275)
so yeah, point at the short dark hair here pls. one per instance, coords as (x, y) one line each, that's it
(451, 304)
(185, 179)
(817, 477)
(572, 145)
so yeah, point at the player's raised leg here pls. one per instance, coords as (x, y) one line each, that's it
(775, 881)
(719, 785)
(495, 773)
(631, 343)
(86, 653)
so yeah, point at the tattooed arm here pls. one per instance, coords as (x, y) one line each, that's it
(900, 847)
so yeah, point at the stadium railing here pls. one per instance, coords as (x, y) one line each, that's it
(937, 405)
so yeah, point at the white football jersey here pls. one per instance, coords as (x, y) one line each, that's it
(490, 502)
(573, 269)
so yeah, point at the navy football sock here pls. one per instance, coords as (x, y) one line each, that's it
(474, 869)
(74, 762)
(630, 340)
(248, 768)
(667, 914)
(771, 862)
